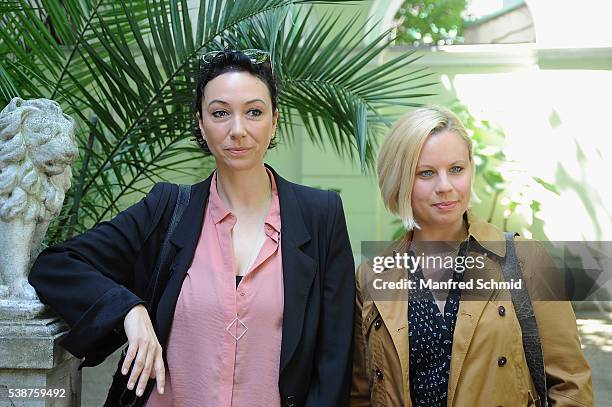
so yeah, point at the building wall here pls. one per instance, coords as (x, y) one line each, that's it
(515, 26)
(552, 121)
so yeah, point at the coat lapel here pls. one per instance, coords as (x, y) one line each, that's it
(185, 240)
(299, 269)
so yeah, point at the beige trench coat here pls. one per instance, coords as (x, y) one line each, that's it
(483, 334)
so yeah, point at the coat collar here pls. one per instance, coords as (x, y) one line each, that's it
(187, 229)
(488, 236)
(193, 217)
(298, 267)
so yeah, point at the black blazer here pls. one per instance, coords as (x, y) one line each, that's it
(94, 279)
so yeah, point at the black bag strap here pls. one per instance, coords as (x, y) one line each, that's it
(182, 201)
(526, 317)
(127, 398)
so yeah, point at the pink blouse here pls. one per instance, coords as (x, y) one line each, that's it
(225, 342)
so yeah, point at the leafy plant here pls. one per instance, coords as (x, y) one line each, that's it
(430, 22)
(125, 70)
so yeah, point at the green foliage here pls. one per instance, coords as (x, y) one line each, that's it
(430, 22)
(487, 143)
(125, 70)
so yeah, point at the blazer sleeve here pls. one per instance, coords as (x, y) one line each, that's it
(86, 279)
(331, 383)
(568, 375)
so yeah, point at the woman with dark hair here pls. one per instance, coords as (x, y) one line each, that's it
(259, 297)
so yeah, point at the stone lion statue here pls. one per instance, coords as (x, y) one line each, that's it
(37, 148)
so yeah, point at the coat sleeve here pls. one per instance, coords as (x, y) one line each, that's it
(360, 388)
(86, 279)
(568, 375)
(330, 385)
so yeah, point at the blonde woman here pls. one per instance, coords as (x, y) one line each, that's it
(444, 348)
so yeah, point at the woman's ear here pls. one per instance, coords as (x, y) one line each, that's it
(274, 124)
(275, 119)
(200, 125)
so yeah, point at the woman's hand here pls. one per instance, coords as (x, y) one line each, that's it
(145, 349)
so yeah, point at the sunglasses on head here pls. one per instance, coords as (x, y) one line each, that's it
(256, 56)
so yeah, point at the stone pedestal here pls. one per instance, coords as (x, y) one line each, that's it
(31, 361)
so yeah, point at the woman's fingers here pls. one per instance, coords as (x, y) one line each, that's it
(138, 363)
(129, 356)
(160, 371)
(144, 351)
(146, 371)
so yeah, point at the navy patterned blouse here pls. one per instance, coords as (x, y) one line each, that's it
(431, 341)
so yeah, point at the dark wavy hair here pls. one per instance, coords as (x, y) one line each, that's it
(231, 61)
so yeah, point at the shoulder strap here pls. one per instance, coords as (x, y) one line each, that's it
(118, 393)
(181, 203)
(529, 327)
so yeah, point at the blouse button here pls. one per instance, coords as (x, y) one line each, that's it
(379, 374)
(501, 310)
(377, 323)
(501, 361)
(242, 293)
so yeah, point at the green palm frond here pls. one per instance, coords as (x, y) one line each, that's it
(8, 89)
(330, 80)
(125, 70)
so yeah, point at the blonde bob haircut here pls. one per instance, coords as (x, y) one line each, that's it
(399, 154)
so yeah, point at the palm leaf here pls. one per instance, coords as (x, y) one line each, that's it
(8, 89)
(125, 70)
(329, 80)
